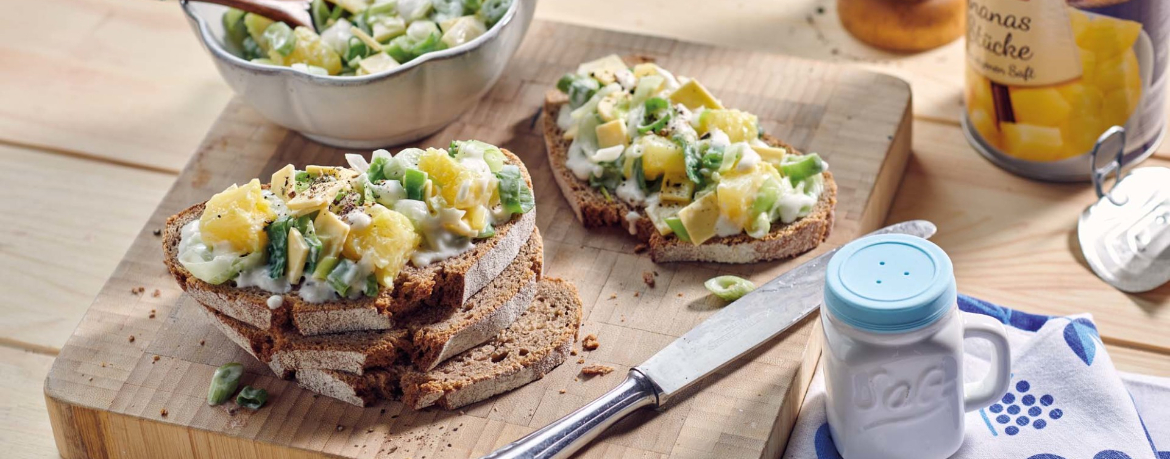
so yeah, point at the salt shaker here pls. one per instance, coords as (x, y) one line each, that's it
(894, 348)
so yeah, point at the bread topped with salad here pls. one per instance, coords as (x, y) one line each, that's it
(633, 145)
(338, 249)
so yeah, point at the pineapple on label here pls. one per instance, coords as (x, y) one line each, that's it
(235, 219)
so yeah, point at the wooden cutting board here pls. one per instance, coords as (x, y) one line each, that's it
(131, 382)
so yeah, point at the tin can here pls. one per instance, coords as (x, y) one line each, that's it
(1045, 78)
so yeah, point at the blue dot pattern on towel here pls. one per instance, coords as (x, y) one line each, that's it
(1030, 410)
(1012, 430)
(1014, 409)
(1056, 413)
(1039, 424)
(1003, 419)
(1028, 400)
(996, 408)
(1008, 398)
(1022, 421)
(1022, 386)
(1046, 400)
(1034, 411)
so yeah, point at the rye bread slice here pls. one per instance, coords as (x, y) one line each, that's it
(428, 335)
(594, 210)
(535, 344)
(447, 283)
(363, 390)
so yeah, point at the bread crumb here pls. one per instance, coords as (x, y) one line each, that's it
(590, 342)
(156, 232)
(596, 370)
(137, 290)
(163, 412)
(155, 359)
(563, 391)
(680, 295)
(340, 427)
(641, 248)
(648, 278)
(370, 430)
(573, 351)
(201, 342)
(103, 364)
(637, 294)
(613, 296)
(157, 293)
(580, 361)
(151, 316)
(131, 338)
(91, 378)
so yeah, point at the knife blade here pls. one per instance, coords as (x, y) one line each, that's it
(749, 321)
(731, 332)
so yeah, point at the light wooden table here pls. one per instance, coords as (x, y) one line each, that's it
(105, 105)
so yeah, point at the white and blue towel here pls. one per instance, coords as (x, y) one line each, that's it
(1066, 399)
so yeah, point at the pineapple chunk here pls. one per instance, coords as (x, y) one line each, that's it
(739, 126)
(235, 219)
(700, 218)
(449, 176)
(476, 218)
(1039, 106)
(676, 187)
(611, 134)
(693, 95)
(298, 253)
(660, 156)
(283, 182)
(736, 192)
(309, 50)
(603, 69)
(1033, 143)
(386, 243)
(332, 232)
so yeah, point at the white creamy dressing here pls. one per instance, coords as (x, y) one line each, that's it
(630, 192)
(275, 302)
(257, 276)
(725, 227)
(358, 219)
(748, 158)
(337, 36)
(632, 221)
(437, 243)
(607, 154)
(625, 78)
(387, 192)
(579, 164)
(278, 206)
(316, 290)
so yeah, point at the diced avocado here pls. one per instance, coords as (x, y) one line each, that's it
(332, 232)
(298, 253)
(693, 95)
(678, 228)
(603, 69)
(378, 63)
(611, 134)
(676, 187)
(283, 181)
(660, 155)
(771, 154)
(700, 218)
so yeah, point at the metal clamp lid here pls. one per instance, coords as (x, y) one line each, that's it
(1125, 235)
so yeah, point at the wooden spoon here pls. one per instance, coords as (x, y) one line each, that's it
(292, 12)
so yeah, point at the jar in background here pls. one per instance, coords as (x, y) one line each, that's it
(1045, 78)
(894, 348)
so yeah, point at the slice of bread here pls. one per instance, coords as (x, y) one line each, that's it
(446, 284)
(363, 390)
(427, 335)
(535, 344)
(593, 209)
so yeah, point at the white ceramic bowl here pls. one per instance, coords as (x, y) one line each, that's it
(411, 102)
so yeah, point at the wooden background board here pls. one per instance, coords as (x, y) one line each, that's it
(107, 393)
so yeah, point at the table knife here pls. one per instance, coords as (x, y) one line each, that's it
(731, 332)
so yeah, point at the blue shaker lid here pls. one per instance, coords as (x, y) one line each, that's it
(889, 283)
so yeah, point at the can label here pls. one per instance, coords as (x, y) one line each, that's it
(1046, 77)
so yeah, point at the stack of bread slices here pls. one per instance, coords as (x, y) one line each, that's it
(452, 333)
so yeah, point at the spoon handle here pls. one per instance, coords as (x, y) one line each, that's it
(292, 12)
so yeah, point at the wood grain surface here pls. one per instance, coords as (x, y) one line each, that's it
(858, 120)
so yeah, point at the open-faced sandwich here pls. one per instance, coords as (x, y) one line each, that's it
(400, 272)
(658, 154)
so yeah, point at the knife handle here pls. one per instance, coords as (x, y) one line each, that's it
(568, 434)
